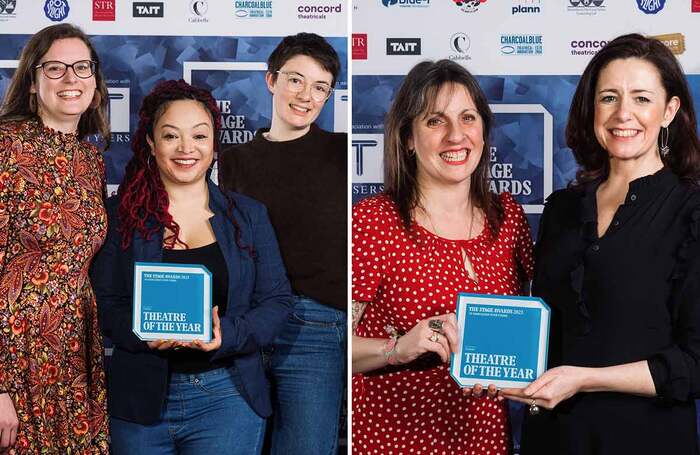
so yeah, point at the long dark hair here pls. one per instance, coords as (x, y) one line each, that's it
(142, 195)
(20, 104)
(684, 158)
(415, 97)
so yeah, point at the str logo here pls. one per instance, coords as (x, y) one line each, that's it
(359, 147)
(651, 6)
(695, 6)
(56, 10)
(403, 46)
(359, 46)
(103, 10)
(147, 9)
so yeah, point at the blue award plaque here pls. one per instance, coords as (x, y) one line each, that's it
(503, 340)
(172, 302)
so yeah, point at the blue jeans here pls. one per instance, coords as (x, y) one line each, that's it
(308, 366)
(203, 414)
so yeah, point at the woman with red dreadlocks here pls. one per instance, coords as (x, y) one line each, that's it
(206, 397)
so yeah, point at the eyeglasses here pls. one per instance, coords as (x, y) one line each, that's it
(320, 91)
(56, 70)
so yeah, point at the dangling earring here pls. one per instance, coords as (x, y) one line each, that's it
(411, 153)
(664, 149)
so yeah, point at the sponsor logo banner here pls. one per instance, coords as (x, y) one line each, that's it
(253, 9)
(695, 6)
(367, 165)
(586, 47)
(103, 10)
(403, 46)
(674, 41)
(198, 12)
(406, 3)
(651, 6)
(319, 11)
(7, 10)
(469, 6)
(460, 44)
(147, 9)
(359, 46)
(56, 10)
(521, 45)
(526, 7)
(586, 7)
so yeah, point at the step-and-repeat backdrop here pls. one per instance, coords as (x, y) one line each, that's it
(527, 55)
(221, 45)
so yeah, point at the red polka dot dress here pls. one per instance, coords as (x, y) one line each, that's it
(418, 408)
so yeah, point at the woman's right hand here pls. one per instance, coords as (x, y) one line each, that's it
(162, 345)
(8, 422)
(417, 342)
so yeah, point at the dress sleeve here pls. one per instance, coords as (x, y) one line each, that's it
(370, 242)
(676, 369)
(271, 300)
(5, 193)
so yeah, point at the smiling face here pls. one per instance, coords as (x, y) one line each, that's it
(62, 101)
(631, 108)
(183, 143)
(449, 140)
(293, 113)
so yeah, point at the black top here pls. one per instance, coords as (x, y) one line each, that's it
(303, 183)
(632, 294)
(210, 256)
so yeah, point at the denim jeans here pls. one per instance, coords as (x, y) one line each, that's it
(308, 367)
(204, 414)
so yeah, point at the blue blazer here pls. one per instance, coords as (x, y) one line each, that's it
(259, 302)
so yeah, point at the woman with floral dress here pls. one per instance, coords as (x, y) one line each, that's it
(52, 221)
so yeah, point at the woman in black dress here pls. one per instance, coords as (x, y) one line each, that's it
(618, 261)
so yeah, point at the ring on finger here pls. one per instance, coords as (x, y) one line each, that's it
(534, 409)
(435, 337)
(435, 325)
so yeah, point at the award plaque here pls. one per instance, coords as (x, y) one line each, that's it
(172, 302)
(502, 340)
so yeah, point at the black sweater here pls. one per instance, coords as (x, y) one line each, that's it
(303, 183)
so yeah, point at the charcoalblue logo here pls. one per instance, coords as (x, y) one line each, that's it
(403, 46)
(674, 41)
(198, 12)
(468, 6)
(318, 11)
(147, 9)
(526, 7)
(460, 43)
(586, 7)
(406, 3)
(7, 9)
(521, 44)
(56, 10)
(253, 8)
(651, 6)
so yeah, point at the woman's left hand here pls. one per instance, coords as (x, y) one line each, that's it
(550, 389)
(215, 343)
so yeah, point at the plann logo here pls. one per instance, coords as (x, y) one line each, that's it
(359, 46)
(104, 10)
(651, 6)
(56, 10)
(403, 46)
(526, 7)
(147, 9)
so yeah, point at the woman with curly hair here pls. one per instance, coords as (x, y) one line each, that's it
(166, 396)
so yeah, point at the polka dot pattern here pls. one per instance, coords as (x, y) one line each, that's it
(419, 409)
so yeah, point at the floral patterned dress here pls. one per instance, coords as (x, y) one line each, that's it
(52, 222)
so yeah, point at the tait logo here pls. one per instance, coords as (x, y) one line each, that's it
(147, 9)
(406, 3)
(403, 46)
(651, 6)
(359, 46)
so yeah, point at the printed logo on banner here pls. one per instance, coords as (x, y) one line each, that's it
(406, 3)
(469, 6)
(198, 12)
(7, 10)
(340, 111)
(674, 41)
(319, 11)
(586, 7)
(460, 44)
(147, 9)
(233, 126)
(651, 6)
(403, 46)
(359, 46)
(367, 165)
(119, 114)
(254, 9)
(521, 45)
(104, 10)
(586, 47)
(56, 10)
(695, 6)
(526, 7)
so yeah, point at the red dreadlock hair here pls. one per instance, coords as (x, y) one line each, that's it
(143, 200)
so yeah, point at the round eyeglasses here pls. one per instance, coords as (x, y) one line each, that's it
(56, 70)
(320, 91)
